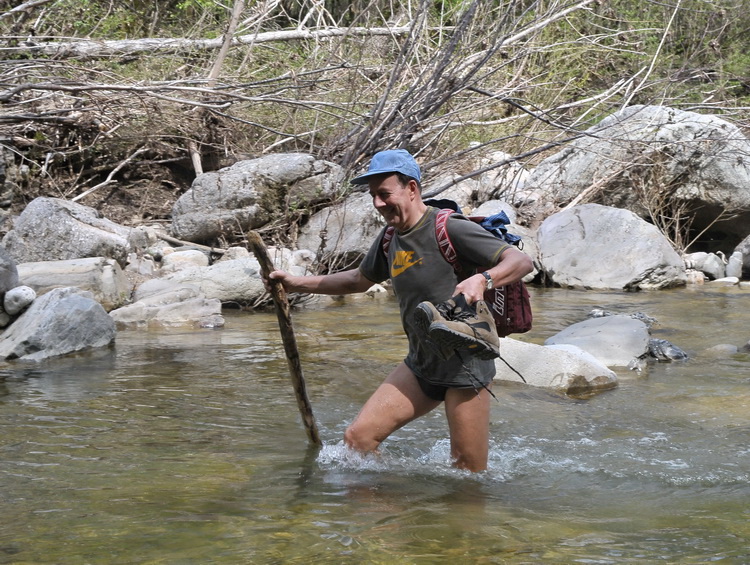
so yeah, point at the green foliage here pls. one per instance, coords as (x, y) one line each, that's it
(127, 19)
(197, 7)
(207, 15)
(448, 12)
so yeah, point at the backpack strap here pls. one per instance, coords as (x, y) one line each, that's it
(444, 240)
(386, 241)
(441, 234)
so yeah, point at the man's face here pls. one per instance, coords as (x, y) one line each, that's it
(393, 200)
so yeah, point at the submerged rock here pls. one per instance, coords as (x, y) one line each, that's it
(613, 340)
(62, 321)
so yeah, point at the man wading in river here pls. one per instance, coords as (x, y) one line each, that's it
(454, 366)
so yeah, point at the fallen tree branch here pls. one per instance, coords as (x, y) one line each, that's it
(23, 8)
(399, 115)
(182, 243)
(225, 97)
(95, 49)
(531, 29)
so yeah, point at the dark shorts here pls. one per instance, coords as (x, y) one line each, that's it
(437, 392)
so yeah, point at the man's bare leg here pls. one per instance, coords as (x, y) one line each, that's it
(468, 416)
(395, 403)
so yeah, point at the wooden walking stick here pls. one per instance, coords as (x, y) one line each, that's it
(283, 313)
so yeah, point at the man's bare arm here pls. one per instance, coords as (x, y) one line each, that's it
(513, 266)
(344, 282)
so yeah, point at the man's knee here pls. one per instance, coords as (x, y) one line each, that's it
(357, 438)
(351, 438)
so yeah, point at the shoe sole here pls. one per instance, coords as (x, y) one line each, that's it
(457, 340)
(423, 321)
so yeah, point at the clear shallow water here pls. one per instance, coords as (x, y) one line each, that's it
(185, 447)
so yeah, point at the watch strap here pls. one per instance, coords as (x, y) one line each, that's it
(487, 276)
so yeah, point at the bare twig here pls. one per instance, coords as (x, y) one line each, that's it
(502, 163)
(655, 57)
(597, 187)
(397, 118)
(109, 180)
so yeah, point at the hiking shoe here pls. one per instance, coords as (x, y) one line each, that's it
(425, 314)
(466, 327)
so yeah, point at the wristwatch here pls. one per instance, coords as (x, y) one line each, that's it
(487, 276)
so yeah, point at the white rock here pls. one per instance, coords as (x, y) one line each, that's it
(16, 299)
(234, 253)
(726, 281)
(734, 265)
(562, 367)
(376, 290)
(185, 259)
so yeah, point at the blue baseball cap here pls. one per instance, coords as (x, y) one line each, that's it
(390, 161)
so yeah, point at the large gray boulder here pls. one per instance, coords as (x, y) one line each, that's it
(734, 265)
(616, 341)
(101, 276)
(564, 368)
(52, 229)
(342, 234)
(598, 247)
(249, 194)
(654, 159)
(62, 321)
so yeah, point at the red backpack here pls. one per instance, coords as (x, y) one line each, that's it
(510, 304)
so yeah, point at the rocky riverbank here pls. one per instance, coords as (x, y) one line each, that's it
(579, 213)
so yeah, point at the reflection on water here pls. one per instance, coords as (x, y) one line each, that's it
(187, 447)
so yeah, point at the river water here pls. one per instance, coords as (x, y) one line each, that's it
(186, 447)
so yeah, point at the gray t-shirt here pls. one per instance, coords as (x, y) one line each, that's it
(419, 272)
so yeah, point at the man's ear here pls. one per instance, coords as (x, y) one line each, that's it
(413, 187)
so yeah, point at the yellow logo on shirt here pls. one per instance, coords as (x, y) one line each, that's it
(402, 261)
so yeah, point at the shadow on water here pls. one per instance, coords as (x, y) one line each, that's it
(187, 447)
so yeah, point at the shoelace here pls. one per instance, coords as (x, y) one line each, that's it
(460, 314)
(445, 310)
(475, 381)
